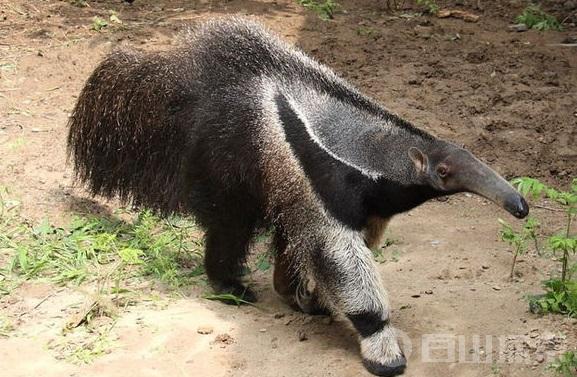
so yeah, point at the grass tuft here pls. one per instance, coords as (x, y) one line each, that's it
(535, 18)
(145, 246)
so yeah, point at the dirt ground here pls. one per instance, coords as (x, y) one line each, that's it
(509, 97)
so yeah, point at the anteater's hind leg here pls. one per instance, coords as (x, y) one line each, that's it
(290, 285)
(227, 244)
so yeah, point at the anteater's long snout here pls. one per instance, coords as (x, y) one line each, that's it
(482, 180)
(516, 205)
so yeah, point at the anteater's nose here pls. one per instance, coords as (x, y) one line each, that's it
(517, 206)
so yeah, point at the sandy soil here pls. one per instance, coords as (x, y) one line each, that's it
(509, 97)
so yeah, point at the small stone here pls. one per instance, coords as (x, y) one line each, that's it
(518, 28)
(223, 339)
(429, 292)
(540, 358)
(435, 242)
(262, 330)
(302, 336)
(415, 296)
(205, 330)
(496, 288)
(485, 267)
(531, 343)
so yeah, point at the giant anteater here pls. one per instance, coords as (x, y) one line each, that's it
(243, 131)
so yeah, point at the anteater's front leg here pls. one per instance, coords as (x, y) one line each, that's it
(347, 281)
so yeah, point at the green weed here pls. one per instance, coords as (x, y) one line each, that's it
(535, 18)
(560, 293)
(518, 239)
(563, 242)
(430, 5)
(324, 9)
(560, 297)
(78, 252)
(98, 23)
(379, 255)
(227, 298)
(565, 365)
(6, 327)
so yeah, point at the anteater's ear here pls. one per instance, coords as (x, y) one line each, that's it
(419, 159)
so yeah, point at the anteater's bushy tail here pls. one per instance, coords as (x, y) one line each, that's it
(125, 136)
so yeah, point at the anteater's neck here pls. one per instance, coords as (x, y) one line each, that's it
(356, 160)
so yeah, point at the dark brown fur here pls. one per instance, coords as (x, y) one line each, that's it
(121, 127)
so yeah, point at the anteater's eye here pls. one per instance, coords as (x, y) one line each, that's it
(442, 171)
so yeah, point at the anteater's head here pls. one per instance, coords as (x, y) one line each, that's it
(449, 169)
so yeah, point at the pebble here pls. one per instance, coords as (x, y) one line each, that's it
(518, 28)
(205, 330)
(302, 336)
(496, 288)
(429, 292)
(262, 330)
(540, 358)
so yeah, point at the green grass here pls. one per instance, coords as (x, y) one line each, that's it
(90, 247)
(535, 18)
(324, 9)
(85, 346)
(6, 326)
(565, 365)
(430, 5)
(228, 298)
(109, 258)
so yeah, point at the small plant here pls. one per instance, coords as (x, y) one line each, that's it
(324, 9)
(560, 293)
(560, 297)
(518, 239)
(563, 242)
(430, 5)
(378, 252)
(98, 23)
(535, 18)
(565, 365)
(6, 326)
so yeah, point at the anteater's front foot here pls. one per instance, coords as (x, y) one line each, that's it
(394, 368)
(236, 289)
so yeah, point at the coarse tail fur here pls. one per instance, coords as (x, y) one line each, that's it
(242, 130)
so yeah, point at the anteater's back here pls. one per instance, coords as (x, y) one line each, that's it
(142, 120)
